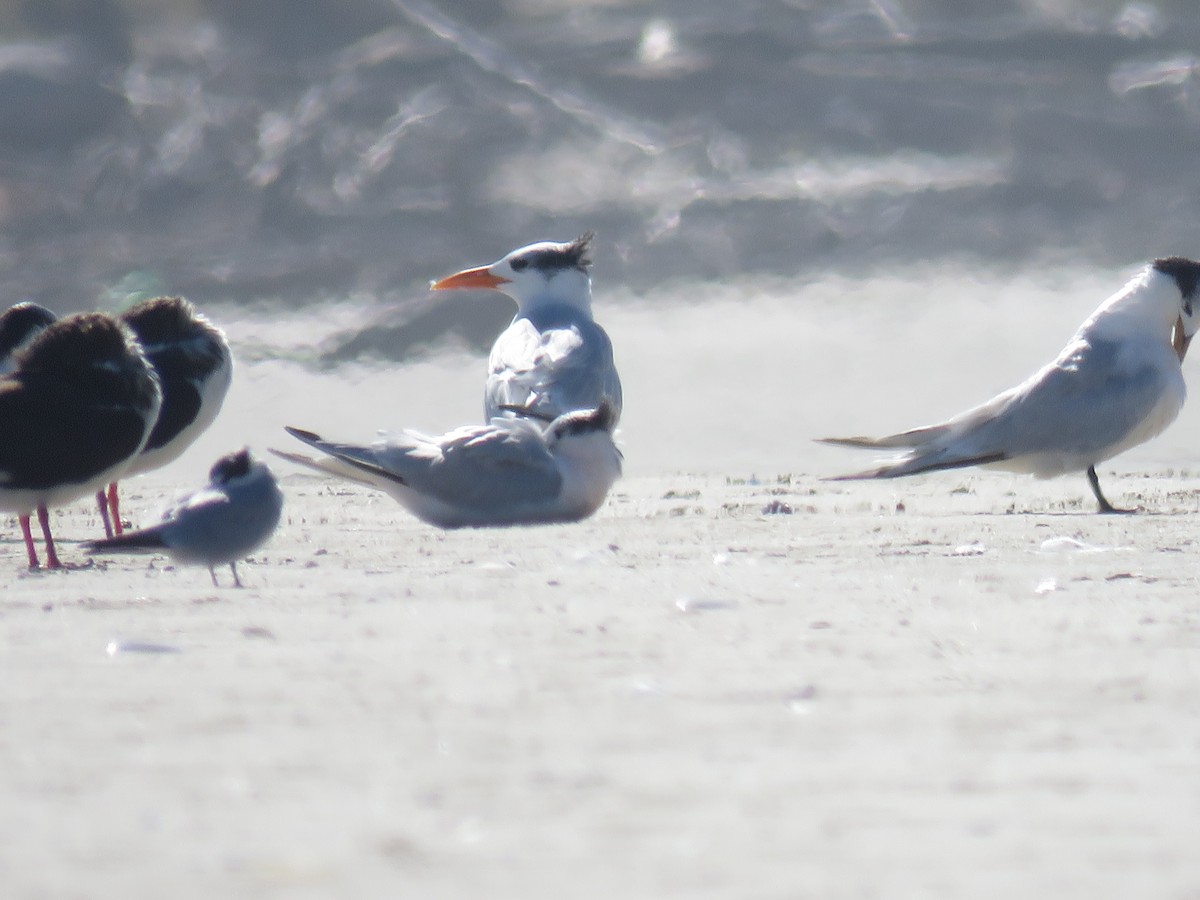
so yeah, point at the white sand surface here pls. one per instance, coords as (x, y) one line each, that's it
(957, 686)
(960, 685)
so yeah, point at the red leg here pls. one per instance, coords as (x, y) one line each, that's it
(102, 505)
(33, 560)
(44, 520)
(115, 505)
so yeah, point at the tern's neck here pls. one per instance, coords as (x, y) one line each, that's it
(1148, 303)
(569, 287)
(589, 465)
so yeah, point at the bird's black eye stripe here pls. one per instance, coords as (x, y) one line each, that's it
(519, 264)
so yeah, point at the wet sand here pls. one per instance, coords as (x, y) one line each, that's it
(965, 685)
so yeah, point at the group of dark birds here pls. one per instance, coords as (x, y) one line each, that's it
(89, 398)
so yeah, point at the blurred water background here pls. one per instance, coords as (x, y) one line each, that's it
(822, 208)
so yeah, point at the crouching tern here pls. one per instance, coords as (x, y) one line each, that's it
(226, 520)
(512, 471)
(553, 358)
(1116, 384)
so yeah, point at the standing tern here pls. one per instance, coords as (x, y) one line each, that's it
(1116, 384)
(194, 366)
(553, 358)
(226, 520)
(512, 471)
(76, 409)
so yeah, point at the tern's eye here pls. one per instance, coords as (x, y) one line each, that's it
(519, 264)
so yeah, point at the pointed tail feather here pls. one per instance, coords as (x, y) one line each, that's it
(916, 465)
(326, 465)
(137, 541)
(342, 467)
(915, 437)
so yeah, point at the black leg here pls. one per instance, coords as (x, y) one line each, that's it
(1105, 506)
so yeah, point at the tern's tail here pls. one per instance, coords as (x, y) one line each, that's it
(916, 437)
(327, 465)
(343, 461)
(918, 461)
(135, 541)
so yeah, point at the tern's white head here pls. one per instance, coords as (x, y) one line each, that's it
(541, 274)
(582, 444)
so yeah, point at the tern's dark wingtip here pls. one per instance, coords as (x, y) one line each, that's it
(298, 458)
(301, 434)
(148, 539)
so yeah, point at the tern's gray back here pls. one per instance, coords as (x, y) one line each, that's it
(1085, 403)
(488, 467)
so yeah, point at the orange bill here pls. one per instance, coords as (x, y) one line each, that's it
(478, 278)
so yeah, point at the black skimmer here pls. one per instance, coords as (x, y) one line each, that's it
(78, 406)
(20, 324)
(194, 367)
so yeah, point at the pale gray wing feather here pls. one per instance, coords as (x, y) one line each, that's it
(498, 464)
(219, 525)
(1081, 404)
(553, 363)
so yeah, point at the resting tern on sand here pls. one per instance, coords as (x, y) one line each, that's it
(226, 520)
(1116, 384)
(553, 358)
(512, 471)
(78, 406)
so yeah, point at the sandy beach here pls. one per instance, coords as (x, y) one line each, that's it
(738, 681)
(953, 686)
(743, 682)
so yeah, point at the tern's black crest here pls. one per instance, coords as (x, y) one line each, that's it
(602, 418)
(20, 323)
(1186, 273)
(230, 467)
(562, 256)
